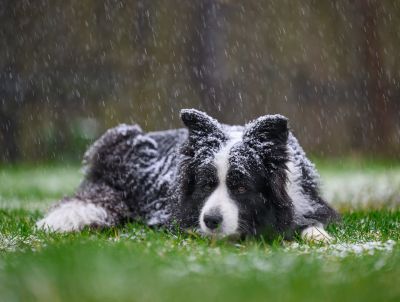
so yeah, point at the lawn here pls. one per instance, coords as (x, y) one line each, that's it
(136, 263)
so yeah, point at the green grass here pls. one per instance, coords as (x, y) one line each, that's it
(135, 263)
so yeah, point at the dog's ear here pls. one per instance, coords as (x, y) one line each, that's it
(199, 123)
(268, 136)
(268, 128)
(204, 131)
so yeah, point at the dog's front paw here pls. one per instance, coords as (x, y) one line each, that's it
(316, 234)
(72, 216)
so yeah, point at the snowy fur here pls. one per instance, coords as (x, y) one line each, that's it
(301, 203)
(73, 216)
(256, 176)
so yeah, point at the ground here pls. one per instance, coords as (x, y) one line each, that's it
(136, 263)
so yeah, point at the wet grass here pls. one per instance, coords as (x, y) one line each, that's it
(135, 263)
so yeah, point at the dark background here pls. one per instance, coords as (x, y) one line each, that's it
(71, 69)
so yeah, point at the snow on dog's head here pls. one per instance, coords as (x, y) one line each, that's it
(233, 178)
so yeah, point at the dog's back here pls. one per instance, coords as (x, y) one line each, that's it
(143, 166)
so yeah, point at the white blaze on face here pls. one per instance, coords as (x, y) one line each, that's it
(220, 200)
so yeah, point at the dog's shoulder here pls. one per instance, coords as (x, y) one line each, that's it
(169, 141)
(304, 188)
(299, 160)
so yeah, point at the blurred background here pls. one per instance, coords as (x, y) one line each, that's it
(71, 69)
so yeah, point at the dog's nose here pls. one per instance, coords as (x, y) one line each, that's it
(212, 221)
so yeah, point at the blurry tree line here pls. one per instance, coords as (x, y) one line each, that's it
(71, 69)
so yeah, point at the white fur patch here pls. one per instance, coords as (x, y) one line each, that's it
(220, 199)
(301, 202)
(316, 233)
(72, 216)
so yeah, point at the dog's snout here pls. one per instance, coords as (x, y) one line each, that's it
(213, 221)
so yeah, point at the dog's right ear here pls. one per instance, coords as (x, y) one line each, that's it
(204, 131)
(199, 123)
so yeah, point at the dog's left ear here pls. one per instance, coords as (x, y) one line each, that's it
(204, 131)
(268, 128)
(268, 135)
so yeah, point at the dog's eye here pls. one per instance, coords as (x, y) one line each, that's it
(208, 186)
(241, 189)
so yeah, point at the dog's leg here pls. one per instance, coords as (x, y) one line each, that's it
(94, 205)
(73, 215)
(316, 233)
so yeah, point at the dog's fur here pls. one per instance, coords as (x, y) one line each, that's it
(212, 178)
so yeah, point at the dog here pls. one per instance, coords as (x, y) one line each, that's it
(211, 178)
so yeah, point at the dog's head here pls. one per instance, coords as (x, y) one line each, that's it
(233, 178)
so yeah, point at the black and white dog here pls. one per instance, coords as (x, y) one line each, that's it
(212, 178)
